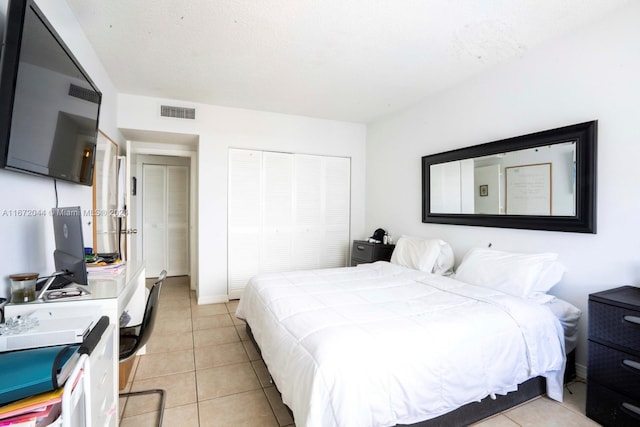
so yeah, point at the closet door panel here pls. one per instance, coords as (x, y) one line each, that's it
(308, 190)
(337, 191)
(277, 251)
(244, 219)
(178, 220)
(154, 237)
(277, 216)
(244, 195)
(308, 243)
(243, 259)
(178, 254)
(309, 229)
(336, 247)
(277, 190)
(337, 211)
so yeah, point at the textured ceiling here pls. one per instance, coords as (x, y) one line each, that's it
(353, 60)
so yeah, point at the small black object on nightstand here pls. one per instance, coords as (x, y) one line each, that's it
(364, 252)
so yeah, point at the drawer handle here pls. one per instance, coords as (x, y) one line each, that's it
(631, 410)
(360, 248)
(631, 364)
(632, 319)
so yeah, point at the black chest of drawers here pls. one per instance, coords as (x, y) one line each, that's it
(613, 368)
(364, 252)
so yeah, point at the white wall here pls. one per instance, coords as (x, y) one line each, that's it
(219, 128)
(27, 235)
(591, 74)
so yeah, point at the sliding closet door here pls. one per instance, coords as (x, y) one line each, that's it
(244, 217)
(322, 189)
(286, 212)
(337, 213)
(277, 215)
(309, 230)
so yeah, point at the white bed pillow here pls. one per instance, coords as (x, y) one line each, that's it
(428, 255)
(444, 263)
(550, 275)
(516, 274)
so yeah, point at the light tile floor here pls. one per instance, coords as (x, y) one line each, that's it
(213, 375)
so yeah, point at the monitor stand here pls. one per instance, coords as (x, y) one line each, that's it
(55, 277)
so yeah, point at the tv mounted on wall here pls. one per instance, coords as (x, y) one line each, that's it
(49, 107)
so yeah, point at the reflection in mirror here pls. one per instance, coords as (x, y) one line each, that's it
(533, 181)
(105, 192)
(541, 181)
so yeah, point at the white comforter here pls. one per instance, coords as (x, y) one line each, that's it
(380, 344)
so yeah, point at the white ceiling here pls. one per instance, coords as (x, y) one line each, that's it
(353, 60)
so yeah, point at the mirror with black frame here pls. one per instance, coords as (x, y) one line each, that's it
(541, 181)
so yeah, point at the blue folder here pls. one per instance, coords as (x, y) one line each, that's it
(27, 372)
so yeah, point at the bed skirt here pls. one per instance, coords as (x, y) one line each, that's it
(476, 411)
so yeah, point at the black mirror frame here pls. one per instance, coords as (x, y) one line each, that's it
(585, 136)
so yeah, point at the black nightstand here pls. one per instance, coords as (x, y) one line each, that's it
(613, 368)
(364, 252)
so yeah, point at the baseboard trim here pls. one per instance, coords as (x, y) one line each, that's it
(235, 293)
(212, 299)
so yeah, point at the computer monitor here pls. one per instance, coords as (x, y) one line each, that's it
(69, 253)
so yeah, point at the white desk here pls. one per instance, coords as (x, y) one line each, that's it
(110, 296)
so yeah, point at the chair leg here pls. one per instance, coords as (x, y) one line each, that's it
(150, 391)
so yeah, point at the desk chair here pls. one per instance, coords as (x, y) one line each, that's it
(132, 338)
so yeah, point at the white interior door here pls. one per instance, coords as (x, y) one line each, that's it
(154, 223)
(177, 253)
(165, 219)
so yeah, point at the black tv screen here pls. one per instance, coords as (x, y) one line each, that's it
(49, 107)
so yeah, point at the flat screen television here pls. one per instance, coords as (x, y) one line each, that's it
(49, 107)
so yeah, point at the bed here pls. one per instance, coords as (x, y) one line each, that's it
(384, 344)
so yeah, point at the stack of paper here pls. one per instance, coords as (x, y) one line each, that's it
(42, 409)
(105, 269)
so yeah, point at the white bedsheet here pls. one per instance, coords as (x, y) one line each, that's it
(380, 344)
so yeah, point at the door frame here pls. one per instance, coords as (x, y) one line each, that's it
(158, 160)
(143, 148)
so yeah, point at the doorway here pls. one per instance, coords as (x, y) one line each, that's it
(165, 214)
(160, 148)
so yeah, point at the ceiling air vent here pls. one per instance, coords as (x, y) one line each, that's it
(84, 93)
(178, 112)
